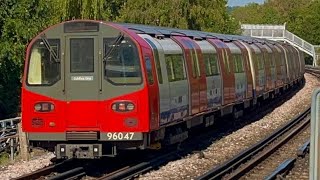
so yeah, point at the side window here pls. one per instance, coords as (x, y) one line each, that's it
(235, 63)
(121, 62)
(274, 57)
(268, 60)
(283, 59)
(197, 63)
(206, 59)
(211, 64)
(175, 67)
(214, 64)
(259, 61)
(238, 63)
(43, 68)
(149, 70)
(226, 59)
(169, 68)
(194, 58)
(277, 59)
(194, 73)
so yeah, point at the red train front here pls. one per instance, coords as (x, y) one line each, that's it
(68, 97)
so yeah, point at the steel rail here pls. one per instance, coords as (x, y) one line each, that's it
(243, 157)
(133, 171)
(44, 171)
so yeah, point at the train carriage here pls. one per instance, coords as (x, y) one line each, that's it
(91, 88)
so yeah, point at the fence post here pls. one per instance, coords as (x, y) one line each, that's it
(23, 143)
(12, 149)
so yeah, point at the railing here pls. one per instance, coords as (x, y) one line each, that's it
(9, 138)
(279, 33)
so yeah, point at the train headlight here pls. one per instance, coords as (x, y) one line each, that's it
(130, 106)
(37, 107)
(44, 107)
(124, 106)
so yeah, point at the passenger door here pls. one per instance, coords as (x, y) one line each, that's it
(82, 81)
(193, 70)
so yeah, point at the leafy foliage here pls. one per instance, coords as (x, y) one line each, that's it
(20, 20)
(301, 16)
(205, 15)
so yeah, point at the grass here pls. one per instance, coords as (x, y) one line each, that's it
(4, 158)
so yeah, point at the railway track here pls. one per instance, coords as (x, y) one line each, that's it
(68, 169)
(247, 160)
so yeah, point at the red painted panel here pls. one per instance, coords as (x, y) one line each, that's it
(228, 79)
(202, 80)
(107, 120)
(81, 114)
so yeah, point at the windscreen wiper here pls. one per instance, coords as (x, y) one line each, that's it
(52, 52)
(114, 44)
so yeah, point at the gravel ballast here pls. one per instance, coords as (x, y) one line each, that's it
(227, 147)
(20, 168)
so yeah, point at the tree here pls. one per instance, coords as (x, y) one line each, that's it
(88, 9)
(301, 16)
(310, 23)
(20, 20)
(202, 15)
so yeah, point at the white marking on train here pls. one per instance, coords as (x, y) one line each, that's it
(82, 78)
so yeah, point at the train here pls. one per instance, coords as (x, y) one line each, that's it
(93, 88)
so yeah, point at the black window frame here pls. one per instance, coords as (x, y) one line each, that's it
(181, 58)
(59, 63)
(112, 40)
(209, 58)
(149, 71)
(93, 53)
(157, 60)
(238, 61)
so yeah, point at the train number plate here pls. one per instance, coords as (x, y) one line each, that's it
(122, 136)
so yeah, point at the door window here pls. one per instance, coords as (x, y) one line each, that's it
(149, 70)
(82, 55)
(157, 60)
(175, 67)
(212, 68)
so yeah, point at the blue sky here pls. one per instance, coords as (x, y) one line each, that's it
(242, 2)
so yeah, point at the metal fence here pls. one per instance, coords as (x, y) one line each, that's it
(9, 138)
(277, 32)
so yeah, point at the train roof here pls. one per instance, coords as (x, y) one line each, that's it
(165, 31)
